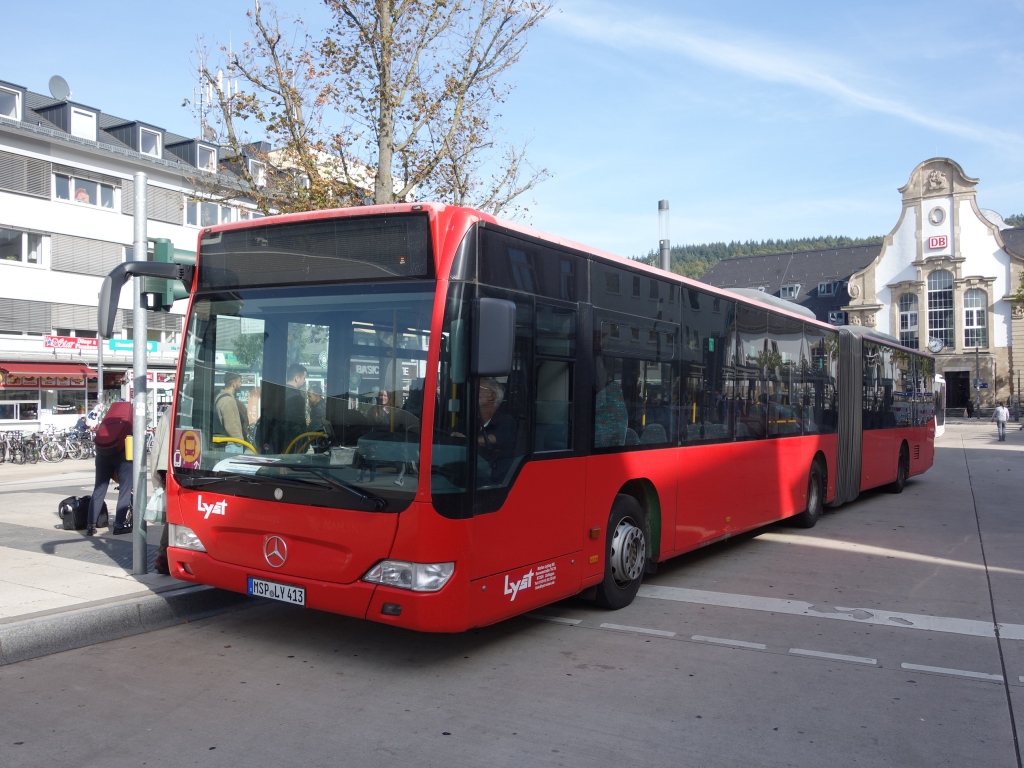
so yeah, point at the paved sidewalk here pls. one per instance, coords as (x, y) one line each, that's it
(49, 575)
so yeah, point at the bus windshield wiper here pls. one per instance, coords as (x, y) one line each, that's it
(191, 481)
(379, 504)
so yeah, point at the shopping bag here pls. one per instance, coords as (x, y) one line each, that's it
(156, 508)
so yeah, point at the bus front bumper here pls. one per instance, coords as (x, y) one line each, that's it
(441, 611)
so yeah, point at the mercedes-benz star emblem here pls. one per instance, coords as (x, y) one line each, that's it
(275, 551)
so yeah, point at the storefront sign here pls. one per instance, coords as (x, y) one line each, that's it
(128, 345)
(69, 342)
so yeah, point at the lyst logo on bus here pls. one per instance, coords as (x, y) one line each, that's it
(513, 588)
(218, 508)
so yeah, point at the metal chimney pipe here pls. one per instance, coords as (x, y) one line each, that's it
(663, 236)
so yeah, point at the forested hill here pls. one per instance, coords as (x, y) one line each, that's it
(694, 260)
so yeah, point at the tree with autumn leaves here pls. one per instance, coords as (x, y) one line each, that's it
(396, 100)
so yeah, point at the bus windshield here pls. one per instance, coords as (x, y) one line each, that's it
(308, 394)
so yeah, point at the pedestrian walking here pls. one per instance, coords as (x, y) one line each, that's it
(113, 463)
(1000, 416)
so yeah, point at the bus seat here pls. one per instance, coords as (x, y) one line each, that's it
(653, 433)
(631, 437)
(610, 417)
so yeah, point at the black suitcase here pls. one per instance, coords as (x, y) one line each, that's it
(74, 512)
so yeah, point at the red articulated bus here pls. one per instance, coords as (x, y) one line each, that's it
(428, 417)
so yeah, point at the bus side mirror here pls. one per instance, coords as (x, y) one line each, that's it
(494, 334)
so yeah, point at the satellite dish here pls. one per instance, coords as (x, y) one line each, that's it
(935, 346)
(59, 88)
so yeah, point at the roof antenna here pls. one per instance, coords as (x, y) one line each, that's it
(59, 88)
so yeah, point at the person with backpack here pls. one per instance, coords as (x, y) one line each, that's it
(231, 418)
(113, 463)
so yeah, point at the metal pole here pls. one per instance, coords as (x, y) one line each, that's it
(663, 241)
(139, 420)
(99, 371)
(977, 381)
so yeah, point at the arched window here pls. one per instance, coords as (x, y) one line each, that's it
(908, 320)
(975, 327)
(940, 307)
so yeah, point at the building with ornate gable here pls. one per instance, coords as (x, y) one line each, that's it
(943, 281)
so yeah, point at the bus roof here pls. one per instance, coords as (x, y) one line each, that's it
(445, 215)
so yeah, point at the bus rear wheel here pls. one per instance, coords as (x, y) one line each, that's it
(625, 554)
(815, 498)
(902, 470)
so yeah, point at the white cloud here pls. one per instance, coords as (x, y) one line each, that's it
(754, 58)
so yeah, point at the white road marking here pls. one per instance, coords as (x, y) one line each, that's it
(554, 619)
(957, 672)
(724, 641)
(639, 630)
(835, 656)
(868, 549)
(895, 619)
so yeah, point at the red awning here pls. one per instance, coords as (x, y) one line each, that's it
(47, 369)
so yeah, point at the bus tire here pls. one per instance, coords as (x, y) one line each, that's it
(625, 554)
(902, 470)
(815, 498)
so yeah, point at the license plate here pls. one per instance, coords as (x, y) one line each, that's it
(283, 592)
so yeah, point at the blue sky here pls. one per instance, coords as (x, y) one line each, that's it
(755, 120)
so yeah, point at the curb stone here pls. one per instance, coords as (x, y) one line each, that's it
(77, 628)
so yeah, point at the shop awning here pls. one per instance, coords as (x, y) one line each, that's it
(46, 369)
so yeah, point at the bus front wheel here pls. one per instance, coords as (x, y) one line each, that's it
(815, 498)
(625, 554)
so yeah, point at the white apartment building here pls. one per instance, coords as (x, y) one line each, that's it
(66, 219)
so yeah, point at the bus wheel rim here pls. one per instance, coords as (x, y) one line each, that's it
(812, 495)
(628, 552)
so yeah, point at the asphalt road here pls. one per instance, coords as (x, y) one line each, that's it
(719, 663)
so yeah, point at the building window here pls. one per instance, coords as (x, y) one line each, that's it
(258, 171)
(207, 214)
(10, 104)
(83, 124)
(245, 215)
(975, 328)
(149, 142)
(940, 307)
(206, 159)
(83, 191)
(826, 289)
(21, 247)
(789, 291)
(908, 321)
(837, 317)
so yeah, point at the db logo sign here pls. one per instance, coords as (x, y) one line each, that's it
(938, 241)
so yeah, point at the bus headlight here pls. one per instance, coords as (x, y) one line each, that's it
(184, 538)
(419, 577)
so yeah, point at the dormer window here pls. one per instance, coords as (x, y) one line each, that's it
(83, 124)
(149, 142)
(790, 291)
(258, 171)
(10, 104)
(826, 289)
(206, 159)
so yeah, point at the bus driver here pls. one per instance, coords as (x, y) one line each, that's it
(497, 436)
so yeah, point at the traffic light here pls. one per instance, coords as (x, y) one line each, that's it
(161, 294)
